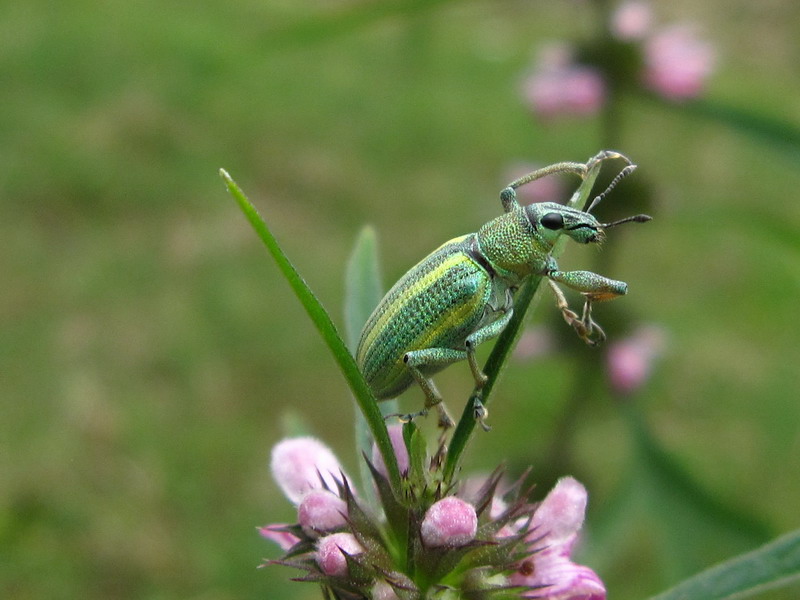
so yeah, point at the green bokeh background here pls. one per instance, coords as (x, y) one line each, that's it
(151, 354)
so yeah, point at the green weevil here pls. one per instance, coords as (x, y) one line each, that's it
(462, 293)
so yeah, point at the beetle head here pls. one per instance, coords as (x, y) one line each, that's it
(550, 220)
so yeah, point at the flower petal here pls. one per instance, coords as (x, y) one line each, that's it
(298, 463)
(554, 577)
(273, 533)
(560, 515)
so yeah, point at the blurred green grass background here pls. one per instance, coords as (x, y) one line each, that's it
(150, 354)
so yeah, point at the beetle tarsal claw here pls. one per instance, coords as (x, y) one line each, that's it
(407, 417)
(588, 329)
(445, 422)
(481, 413)
(584, 325)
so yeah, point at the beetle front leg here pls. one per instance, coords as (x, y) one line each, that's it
(595, 288)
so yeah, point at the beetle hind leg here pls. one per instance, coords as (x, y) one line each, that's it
(436, 358)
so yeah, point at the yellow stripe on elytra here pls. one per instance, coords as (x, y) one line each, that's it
(455, 240)
(414, 289)
(448, 321)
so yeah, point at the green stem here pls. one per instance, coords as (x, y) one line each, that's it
(505, 342)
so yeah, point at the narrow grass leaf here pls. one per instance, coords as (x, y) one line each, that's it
(772, 566)
(324, 324)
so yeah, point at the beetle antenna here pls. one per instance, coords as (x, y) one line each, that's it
(620, 176)
(633, 219)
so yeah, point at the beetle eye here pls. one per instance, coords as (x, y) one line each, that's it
(552, 220)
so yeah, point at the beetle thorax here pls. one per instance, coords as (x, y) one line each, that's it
(511, 246)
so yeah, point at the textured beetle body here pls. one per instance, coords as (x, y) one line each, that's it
(445, 298)
(461, 294)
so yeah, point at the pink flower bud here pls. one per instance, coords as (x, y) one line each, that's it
(400, 451)
(321, 511)
(298, 463)
(631, 20)
(678, 62)
(383, 591)
(331, 551)
(449, 522)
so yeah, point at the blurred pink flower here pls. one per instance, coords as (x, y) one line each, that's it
(302, 467)
(548, 571)
(678, 62)
(629, 361)
(535, 342)
(559, 87)
(631, 20)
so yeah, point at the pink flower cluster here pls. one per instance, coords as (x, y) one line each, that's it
(540, 539)
(559, 86)
(676, 62)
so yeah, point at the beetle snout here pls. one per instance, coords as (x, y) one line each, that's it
(596, 237)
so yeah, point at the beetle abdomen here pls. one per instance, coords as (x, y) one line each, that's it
(437, 304)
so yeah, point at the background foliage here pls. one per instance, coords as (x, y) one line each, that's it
(150, 353)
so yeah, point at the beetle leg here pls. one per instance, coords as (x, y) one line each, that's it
(594, 333)
(595, 287)
(584, 325)
(480, 412)
(432, 357)
(508, 197)
(487, 332)
(570, 316)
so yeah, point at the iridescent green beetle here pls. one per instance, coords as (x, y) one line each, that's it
(462, 293)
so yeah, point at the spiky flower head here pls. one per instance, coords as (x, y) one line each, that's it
(472, 541)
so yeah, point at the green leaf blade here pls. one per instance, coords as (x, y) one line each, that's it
(774, 565)
(324, 324)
